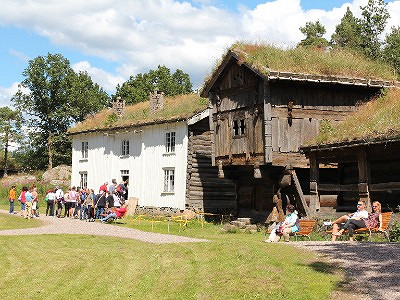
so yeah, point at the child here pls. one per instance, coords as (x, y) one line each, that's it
(11, 198)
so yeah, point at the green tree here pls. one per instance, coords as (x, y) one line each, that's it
(348, 32)
(314, 32)
(10, 130)
(373, 22)
(138, 88)
(391, 51)
(57, 98)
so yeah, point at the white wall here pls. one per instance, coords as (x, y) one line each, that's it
(145, 162)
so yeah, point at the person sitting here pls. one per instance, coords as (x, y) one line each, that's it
(373, 220)
(289, 226)
(118, 213)
(357, 221)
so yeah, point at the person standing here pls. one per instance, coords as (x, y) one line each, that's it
(72, 197)
(60, 200)
(35, 204)
(11, 198)
(112, 187)
(51, 196)
(88, 204)
(28, 203)
(100, 205)
(82, 197)
(23, 200)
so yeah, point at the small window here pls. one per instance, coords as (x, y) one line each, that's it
(170, 142)
(83, 182)
(169, 180)
(239, 127)
(84, 150)
(125, 147)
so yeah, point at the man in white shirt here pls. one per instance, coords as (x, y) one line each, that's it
(360, 214)
(60, 200)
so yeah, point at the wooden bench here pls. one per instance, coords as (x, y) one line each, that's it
(386, 217)
(306, 228)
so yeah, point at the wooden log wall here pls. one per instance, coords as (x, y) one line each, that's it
(204, 190)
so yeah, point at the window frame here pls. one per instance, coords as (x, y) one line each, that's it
(169, 181)
(84, 150)
(125, 148)
(83, 182)
(170, 142)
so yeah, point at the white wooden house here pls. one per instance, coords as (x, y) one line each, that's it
(147, 143)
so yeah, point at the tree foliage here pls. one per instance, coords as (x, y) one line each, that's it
(314, 32)
(10, 131)
(373, 22)
(348, 32)
(391, 51)
(56, 98)
(138, 88)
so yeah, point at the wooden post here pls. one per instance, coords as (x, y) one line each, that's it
(314, 181)
(267, 123)
(363, 177)
(212, 129)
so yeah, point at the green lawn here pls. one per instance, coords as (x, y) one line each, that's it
(16, 222)
(231, 266)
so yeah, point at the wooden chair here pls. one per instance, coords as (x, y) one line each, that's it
(306, 228)
(386, 217)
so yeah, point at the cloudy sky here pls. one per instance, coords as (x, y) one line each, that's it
(114, 39)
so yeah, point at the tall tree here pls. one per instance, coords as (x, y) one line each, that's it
(391, 51)
(314, 32)
(10, 131)
(138, 88)
(57, 98)
(348, 33)
(373, 22)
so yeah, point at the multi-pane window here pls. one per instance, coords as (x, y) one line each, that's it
(84, 149)
(239, 127)
(170, 142)
(169, 180)
(83, 182)
(125, 147)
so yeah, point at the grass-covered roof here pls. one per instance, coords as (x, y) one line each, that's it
(175, 108)
(377, 119)
(336, 62)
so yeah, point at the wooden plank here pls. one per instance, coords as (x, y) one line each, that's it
(299, 195)
(267, 123)
(275, 134)
(338, 187)
(384, 186)
(212, 132)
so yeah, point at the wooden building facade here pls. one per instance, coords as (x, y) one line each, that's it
(366, 169)
(259, 120)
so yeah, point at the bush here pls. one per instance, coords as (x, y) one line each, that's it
(394, 233)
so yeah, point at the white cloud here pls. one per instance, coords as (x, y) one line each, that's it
(106, 80)
(6, 93)
(141, 34)
(20, 55)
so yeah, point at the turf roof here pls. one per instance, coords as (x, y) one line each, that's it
(265, 59)
(375, 120)
(175, 108)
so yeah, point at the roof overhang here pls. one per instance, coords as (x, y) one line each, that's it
(198, 117)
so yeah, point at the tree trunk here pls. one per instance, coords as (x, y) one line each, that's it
(6, 156)
(50, 151)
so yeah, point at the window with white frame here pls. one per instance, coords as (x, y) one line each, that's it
(169, 180)
(84, 150)
(170, 142)
(125, 147)
(83, 182)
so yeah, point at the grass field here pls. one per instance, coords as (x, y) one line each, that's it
(10, 222)
(230, 266)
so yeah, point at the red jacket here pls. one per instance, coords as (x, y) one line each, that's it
(120, 212)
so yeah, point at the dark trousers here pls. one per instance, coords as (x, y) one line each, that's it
(59, 208)
(11, 207)
(352, 224)
(50, 207)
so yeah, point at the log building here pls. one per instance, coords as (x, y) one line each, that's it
(259, 118)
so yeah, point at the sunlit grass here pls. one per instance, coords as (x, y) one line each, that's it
(16, 222)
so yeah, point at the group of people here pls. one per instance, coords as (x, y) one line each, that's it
(79, 203)
(350, 222)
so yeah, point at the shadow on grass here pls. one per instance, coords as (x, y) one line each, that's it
(323, 267)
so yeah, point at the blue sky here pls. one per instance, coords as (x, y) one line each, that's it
(113, 40)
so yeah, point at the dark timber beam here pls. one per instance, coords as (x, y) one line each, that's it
(363, 177)
(267, 123)
(314, 182)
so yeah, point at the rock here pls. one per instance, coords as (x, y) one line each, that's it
(188, 214)
(60, 175)
(239, 224)
(252, 227)
(229, 227)
(21, 179)
(246, 221)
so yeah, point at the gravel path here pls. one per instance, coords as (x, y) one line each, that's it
(54, 225)
(372, 269)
